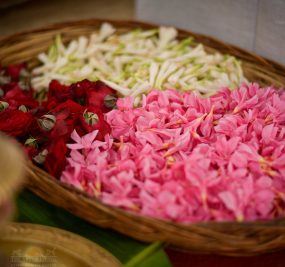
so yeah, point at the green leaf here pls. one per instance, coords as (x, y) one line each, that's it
(144, 254)
(33, 209)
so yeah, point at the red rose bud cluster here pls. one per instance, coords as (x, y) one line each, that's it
(45, 127)
(16, 101)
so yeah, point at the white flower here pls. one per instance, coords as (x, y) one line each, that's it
(106, 30)
(166, 34)
(135, 62)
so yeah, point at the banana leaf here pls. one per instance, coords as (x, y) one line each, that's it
(130, 252)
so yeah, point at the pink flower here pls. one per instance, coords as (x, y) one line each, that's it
(245, 97)
(227, 124)
(186, 159)
(126, 103)
(85, 142)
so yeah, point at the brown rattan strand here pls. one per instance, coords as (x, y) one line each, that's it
(231, 238)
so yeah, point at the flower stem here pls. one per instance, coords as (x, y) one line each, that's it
(144, 254)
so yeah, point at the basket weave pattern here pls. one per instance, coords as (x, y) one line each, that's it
(230, 238)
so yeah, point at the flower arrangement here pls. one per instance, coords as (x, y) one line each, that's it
(163, 149)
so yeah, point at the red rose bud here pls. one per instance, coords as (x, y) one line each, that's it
(67, 108)
(58, 92)
(90, 118)
(41, 157)
(14, 71)
(79, 90)
(67, 114)
(15, 122)
(17, 97)
(62, 129)
(47, 122)
(86, 93)
(3, 105)
(96, 96)
(110, 101)
(89, 123)
(57, 149)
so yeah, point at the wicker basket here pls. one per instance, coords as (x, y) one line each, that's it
(237, 239)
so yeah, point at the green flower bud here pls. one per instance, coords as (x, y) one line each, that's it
(90, 118)
(31, 141)
(3, 105)
(47, 122)
(41, 157)
(110, 101)
(23, 108)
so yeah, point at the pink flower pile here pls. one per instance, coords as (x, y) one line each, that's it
(184, 158)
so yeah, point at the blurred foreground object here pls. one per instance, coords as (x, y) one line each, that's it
(37, 245)
(11, 174)
(10, 3)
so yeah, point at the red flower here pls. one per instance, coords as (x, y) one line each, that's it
(55, 160)
(85, 93)
(80, 89)
(30, 151)
(17, 97)
(93, 119)
(14, 71)
(57, 93)
(44, 129)
(101, 96)
(10, 86)
(15, 122)
(68, 108)
(66, 114)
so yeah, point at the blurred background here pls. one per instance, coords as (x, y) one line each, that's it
(256, 25)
